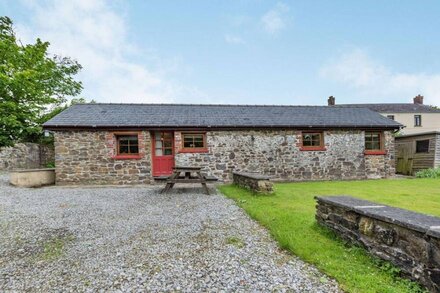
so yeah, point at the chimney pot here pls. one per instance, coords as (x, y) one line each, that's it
(331, 101)
(418, 99)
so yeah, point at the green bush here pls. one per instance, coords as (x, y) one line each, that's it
(50, 165)
(429, 173)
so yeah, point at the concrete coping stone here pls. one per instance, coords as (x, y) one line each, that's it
(256, 176)
(32, 170)
(429, 225)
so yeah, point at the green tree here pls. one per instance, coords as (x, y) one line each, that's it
(31, 81)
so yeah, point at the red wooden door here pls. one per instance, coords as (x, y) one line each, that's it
(163, 153)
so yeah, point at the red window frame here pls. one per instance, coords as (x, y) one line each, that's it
(133, 156)
(184, 149)
(321, 146)
(381, 150)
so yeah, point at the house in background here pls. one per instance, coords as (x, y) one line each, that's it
(136, 143)
(416, 117)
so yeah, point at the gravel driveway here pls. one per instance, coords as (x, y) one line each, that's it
(134, 239)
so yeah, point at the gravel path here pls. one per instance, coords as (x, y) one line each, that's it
(134, 239)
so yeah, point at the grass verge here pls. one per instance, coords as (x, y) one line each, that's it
(289, 215)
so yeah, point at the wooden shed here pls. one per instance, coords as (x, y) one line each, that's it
(416, 152)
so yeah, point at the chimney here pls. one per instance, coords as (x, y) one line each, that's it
(332, 101)
(418, 100)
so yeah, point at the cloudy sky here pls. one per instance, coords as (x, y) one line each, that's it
(242, 51)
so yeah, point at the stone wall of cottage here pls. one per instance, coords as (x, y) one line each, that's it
(277, 153)
(87, 157)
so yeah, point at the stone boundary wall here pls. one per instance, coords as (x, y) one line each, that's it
(253, 181)
(409, 240)
(25, 156)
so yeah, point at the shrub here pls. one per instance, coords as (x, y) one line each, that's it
(429, 173)
(50, 165)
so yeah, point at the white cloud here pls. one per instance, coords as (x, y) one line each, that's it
(274, 20)
(95, 33)
(232, 39)
(377, 81)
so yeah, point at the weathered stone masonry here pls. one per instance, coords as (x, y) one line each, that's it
(409, 240)
(85, 157)
(25, 156)
(277, 153)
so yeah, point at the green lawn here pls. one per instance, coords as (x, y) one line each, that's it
(289, 215)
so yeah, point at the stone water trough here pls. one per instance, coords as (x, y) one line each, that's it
(32, 177)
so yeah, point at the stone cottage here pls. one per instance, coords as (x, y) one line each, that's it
(136, 143)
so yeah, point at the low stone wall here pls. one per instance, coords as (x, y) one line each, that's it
(25, 156)
(409, 240)
(253, 181)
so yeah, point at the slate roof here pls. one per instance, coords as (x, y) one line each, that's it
(394, 107)
(216, 116)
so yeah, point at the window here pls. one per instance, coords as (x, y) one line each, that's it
(373, 141)
(422, 146)
(163, 143)
(312, 141)
(417, 120)
(194, 141)
(390, 117)
(127, 144)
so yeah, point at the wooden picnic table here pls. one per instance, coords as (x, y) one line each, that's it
(187, 177)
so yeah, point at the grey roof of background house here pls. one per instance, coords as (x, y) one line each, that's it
(394, 107)
(216, 116)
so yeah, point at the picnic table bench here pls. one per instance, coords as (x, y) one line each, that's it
(185, 174)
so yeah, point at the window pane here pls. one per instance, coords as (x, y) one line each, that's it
(375, 145)
(417, 120)
(134, 149)
(312, 139)
(127, 144)
(422, 146)
(188, 144)
(198, 137)
(123, 149)
(159, 152)
(167, 143)
(372, 141)
(168, 152)
(193, 141)
(198, 144)
(131, 138)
